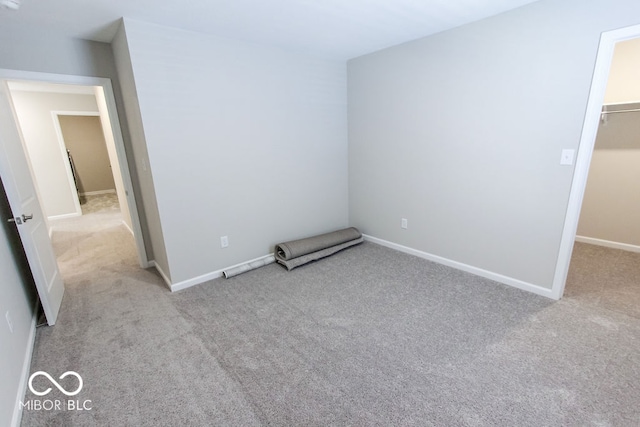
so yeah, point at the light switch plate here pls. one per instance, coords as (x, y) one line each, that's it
(567, 156)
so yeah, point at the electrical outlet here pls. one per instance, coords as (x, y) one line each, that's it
(9, 321)
(404, 223)
(224, 241)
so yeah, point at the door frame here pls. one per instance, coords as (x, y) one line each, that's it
(123, 164)
(591, 122)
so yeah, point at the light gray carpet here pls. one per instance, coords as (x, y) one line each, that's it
(366, 337)
(606, 278)
(107, 202)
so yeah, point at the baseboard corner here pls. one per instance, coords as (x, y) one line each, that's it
(167, 281)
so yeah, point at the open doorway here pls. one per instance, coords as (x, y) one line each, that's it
(604, 99)
(605, 264)
(611, 204)
(103, 102)
(68, 138)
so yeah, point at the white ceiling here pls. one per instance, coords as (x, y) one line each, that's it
(340, 29)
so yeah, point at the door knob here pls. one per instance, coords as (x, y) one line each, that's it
(19, 220)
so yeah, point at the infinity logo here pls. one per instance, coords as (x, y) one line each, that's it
(55, 383)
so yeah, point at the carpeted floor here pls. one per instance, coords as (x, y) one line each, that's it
(107, 202)
(369, 336)
(606, 278)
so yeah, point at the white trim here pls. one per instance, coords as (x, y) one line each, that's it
(107, 89)
(166, 279)
(608, 244)
(98, 192)
(539, 290)
(196, 280)
(128, 228)
(210, 276)
(76, 113)
(26, 366)
(64, 216)
(608, 41)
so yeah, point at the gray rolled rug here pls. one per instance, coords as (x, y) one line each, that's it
(295, 253)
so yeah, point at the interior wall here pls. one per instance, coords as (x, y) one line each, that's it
(461, 133)
(30, 49)
(50, 166)
(243, 141)
(84, 138)
(623, 85)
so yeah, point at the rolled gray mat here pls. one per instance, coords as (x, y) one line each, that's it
(295, 253)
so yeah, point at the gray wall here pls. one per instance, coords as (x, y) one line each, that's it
(30, 49)
(243, 140)
(461, 133)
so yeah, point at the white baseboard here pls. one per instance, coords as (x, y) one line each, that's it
(210, 276)
(608, 244)
(64, 216)
(26, 366)
(96, 193)
(162, 273)
(529, 287)
(128, 228)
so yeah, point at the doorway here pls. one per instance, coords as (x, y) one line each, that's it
(591, 124)
(605, 264)
(106, 107)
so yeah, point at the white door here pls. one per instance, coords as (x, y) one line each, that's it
(27, 213)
